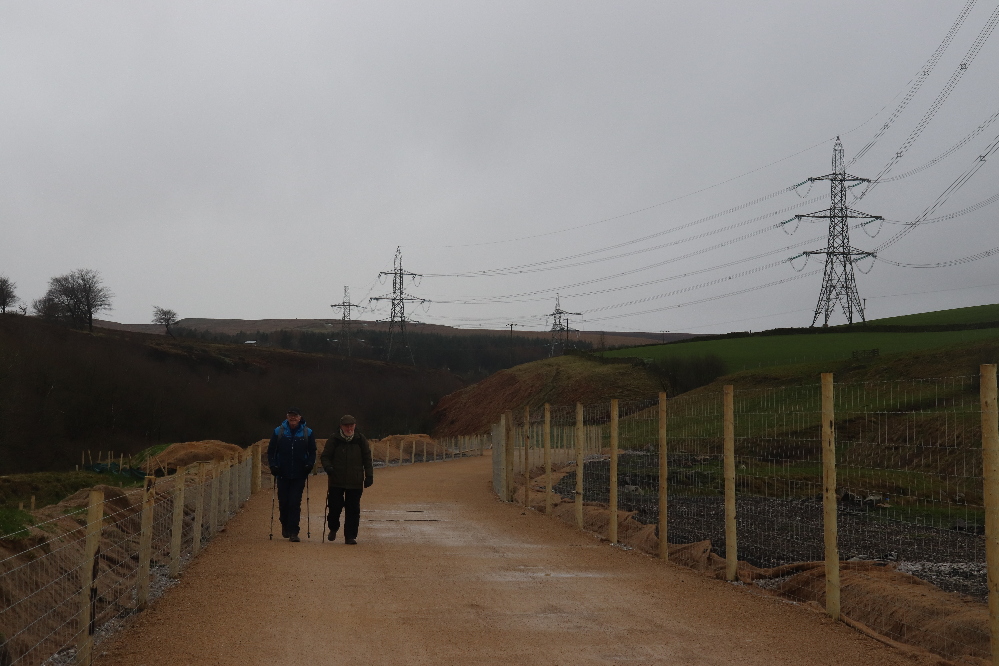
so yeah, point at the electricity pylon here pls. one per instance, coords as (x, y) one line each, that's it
(399, 298)
(346, 306)
(839, 286)
(560, 325)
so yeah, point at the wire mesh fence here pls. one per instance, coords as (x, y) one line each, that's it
(412, 449)
(869, 501)
(70, 580)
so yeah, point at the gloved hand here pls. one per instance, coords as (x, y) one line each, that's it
(275, 471)
(368, 481)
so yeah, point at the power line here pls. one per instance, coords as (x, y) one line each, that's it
(525, 297)
(917, 81)
(956, 185)
(952, 82)
(546, 265)
(709, 298)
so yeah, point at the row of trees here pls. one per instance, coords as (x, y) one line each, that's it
(73, 298)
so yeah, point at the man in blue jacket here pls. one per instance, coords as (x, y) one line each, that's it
(291, 455)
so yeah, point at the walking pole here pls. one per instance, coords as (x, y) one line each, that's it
(273, 491)
(308, 515)
(326, 510)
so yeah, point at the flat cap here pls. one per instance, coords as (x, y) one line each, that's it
(347, 419)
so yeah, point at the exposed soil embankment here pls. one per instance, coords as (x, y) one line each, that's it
(565, 380)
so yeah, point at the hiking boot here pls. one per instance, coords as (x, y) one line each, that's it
(332, 536)
(350, 542)
(285, 533)
(294, 538)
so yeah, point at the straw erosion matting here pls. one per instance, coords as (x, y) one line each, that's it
(891, 603)
(40, 570)
(182, 454)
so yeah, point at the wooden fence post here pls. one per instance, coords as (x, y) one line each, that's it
(199, 510)
(230, 495)
(227, 491)
(829, 495)
(213, 505)
(990, 465)
(145, 543)
(177, 530)
(731, 544)
(527, 457)
(412, 454)
(402, 447)
(614, 443)
(580, 434)
(508, 461)
(388, 453)
(663, 482)
(88, 576)
(258, 466)
(547, 437)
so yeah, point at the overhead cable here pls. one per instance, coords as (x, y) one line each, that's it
(917, 81)
(547, 265)
(955, 78)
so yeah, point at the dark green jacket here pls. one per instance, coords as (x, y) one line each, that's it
(347, 464)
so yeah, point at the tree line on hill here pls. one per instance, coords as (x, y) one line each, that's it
(73, 298)
(471, 357)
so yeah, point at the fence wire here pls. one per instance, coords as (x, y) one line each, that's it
(41, 575)
(908, 494)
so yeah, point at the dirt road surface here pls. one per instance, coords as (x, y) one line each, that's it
(444, 573)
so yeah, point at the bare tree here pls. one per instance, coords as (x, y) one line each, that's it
(8, 297)
(75, 297)
(47, 307)
(164, 317)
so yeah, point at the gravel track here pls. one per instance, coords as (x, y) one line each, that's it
(446, 574)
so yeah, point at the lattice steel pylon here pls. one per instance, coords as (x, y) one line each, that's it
(346, 306)
(839, 286)
(560, 325)
(399, 298)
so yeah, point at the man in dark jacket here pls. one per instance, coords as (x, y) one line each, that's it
(291, 455)
(347, 461)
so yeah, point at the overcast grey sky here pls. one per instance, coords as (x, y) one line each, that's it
(249, 159)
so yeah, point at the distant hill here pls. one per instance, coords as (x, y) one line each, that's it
(63, 391)
(249, 326)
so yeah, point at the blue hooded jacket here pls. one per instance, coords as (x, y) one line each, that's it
(292, 453)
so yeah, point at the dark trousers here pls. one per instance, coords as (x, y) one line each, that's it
(349, 499)
(289, 492)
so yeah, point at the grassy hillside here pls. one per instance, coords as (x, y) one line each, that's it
(63, 391)
(974, 315)
(770, 350)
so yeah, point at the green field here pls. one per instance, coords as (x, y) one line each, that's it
(973, 315)
(769, 350)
